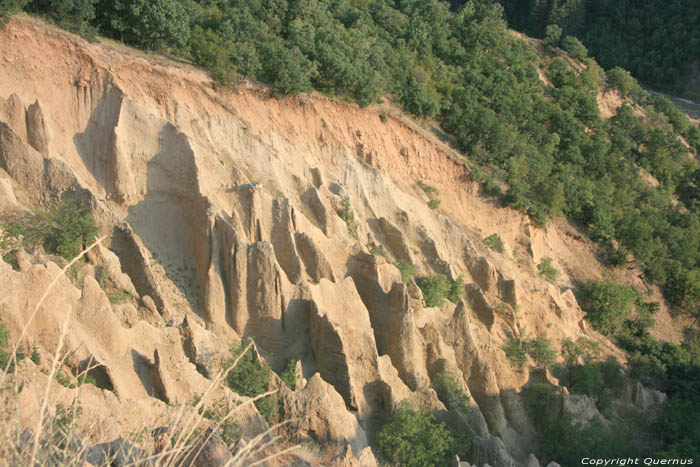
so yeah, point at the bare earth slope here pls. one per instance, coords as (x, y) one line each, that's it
(221, 211)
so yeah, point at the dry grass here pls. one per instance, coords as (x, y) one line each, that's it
(54, 437)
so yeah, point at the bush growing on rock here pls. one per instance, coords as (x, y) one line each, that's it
(64, 230)
(456, 290)
(607, 305)
(348, 217)
(539, 349)
(435, 289)
(288, 375)
(494, 242)
(406, 268)
(250, 378)
(450, 392)
(413, 439)
(548, 271)
(4, 344)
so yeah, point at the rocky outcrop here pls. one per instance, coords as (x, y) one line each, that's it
(319, 414)
(39, 133)
(221, 216)
(343, 344)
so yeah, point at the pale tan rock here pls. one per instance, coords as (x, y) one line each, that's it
(343, 342)
(39, 134)
(320, 414)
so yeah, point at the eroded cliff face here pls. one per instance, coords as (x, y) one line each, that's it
(221, 216)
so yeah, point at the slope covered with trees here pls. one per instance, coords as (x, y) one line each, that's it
(656, 40)
(545, 143)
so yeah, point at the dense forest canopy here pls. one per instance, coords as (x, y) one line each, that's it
(545, 143)
(656, 40)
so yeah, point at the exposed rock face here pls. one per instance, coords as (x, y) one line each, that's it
(221, 216)
(321, 415)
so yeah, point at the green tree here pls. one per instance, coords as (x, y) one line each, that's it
(456, 290)
(9, 8)
(607, 305)
(64, 229)
(450, 392)
(541, 351)
(575, 48)
(286, 68)
(553, 35)
(150, 24)
(414, 439)
(251, 377)
(435, 289)
(208, 50)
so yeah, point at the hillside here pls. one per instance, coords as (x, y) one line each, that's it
(313, 227)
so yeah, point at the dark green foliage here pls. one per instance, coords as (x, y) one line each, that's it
(575, 48)
(552, 35)
(538, 398)
(581, 348)
(450, 392)
(428, 189)
(150, 24)
(602, 380)
(251, 377)
(209, 51)
(406, 268)
(434, 203)
(34, 356)
(288, 375)
(516, 352)
(622, 81)
(548, 271)
(9, 8)
(4, 344)
(656, 40)
(348, 217)
(539, 349)
(63, 379)
(435, 289)
(607, 305)
(75, 15)
(117, 296)
(456, 290)
(63, 230)
(379, 250)
(414, 439)
(494, 242)
(286, 68)
(565, 441)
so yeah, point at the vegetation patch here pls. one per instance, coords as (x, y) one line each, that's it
(414, 439)
(64, 229)
(450, 392)
(608, 305)
(251, 377)
(494, 242)
(406, 268)
(288, 375)
(438, 287)
(518, 348)
(348, 217)
(118, 296)
(546, 270)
